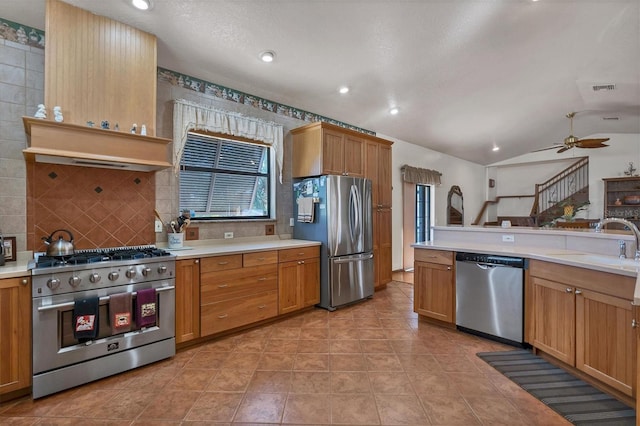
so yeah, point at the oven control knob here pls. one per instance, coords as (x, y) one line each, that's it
(53, 283)
(113, 276)
(131, 273)
(94, 278)
(74, 281)
(162, 269)
(146, 271)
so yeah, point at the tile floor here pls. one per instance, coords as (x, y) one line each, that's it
(372, 363)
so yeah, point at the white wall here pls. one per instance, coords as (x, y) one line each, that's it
(606, 162)
(470, 177)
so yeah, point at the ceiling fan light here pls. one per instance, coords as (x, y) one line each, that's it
(570, 140)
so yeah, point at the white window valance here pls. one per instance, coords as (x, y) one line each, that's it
(188, 116)
(423, 176)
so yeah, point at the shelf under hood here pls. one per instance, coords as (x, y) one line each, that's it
(64, 143)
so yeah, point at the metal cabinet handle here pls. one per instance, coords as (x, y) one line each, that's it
(569, 290)
(262, 279)
(196, 261)
(578, 291)
(223, 286)
(301, 253)
(262, 306)
(223, 263)
(448, 268)
(24, 281)
(261, 259)
(223, 316)
(634, 323)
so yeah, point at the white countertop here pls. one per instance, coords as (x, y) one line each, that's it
(596, 262)
(192, 249)
(203, 248)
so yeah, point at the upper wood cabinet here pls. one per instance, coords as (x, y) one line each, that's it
(325, 149)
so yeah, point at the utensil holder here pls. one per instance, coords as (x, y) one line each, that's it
(176, 240)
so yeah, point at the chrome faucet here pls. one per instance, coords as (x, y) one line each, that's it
(634, 229)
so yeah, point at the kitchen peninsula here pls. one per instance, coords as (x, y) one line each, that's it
(577, 291)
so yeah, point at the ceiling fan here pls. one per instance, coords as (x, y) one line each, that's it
(572, 141)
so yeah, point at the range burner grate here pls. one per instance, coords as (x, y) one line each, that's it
(83, 257)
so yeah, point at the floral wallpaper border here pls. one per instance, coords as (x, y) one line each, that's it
(21, 34)
(223, 92)
(33, 37)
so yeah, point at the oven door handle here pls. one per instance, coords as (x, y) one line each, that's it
(102, 299)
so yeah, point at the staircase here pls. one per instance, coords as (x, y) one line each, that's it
(569, 187)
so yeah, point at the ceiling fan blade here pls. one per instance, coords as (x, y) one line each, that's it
(549, 147)
(592, 143)
(564, 148)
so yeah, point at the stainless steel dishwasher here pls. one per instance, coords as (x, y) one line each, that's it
(490, 296)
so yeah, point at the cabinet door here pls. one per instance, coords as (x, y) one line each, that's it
(434, 291)
(605, 341)
(332, 152)
(187, 300)
(384, 175)
(554, 317)
(385, 254)
(353, 156)
(371, 169)
(15, 334)
(289, 291)
(310, 277)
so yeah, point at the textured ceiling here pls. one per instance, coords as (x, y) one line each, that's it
(466, 74)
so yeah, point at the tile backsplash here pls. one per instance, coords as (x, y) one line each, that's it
(101, 207)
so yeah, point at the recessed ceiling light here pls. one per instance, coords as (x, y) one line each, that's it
(496, 148)
(343, 90)
(141, 4)
(394, 111)
(267, 56)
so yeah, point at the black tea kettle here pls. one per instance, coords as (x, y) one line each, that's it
(61, 247)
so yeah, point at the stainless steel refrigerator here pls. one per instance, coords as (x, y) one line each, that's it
(341, 219)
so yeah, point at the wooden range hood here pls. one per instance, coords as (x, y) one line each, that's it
(97, 69)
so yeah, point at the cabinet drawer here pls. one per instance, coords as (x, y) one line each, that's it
(260, 258)
(218, 286)
(222, 316)
(442, 257)
(221, 263)
(298, 253)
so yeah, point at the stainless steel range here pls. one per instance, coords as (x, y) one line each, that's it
(64, 357)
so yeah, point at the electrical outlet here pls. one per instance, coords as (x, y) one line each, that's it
(508, 238)
(228, 235)
(159, 227)
(291, 223)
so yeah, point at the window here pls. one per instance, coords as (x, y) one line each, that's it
(225, 179)
(423, 217)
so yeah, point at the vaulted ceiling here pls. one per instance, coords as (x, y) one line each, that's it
(466, 75)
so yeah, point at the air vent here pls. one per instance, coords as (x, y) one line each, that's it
(611, 118)
(605, 87)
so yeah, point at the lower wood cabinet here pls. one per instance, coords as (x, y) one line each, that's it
(584, 318)
(434, 285)
(299, 279)
(237, 290)
(15, 334)
(219, 293)
(187, 300)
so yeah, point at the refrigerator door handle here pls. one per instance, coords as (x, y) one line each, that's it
(354, 214)
(351, 259)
